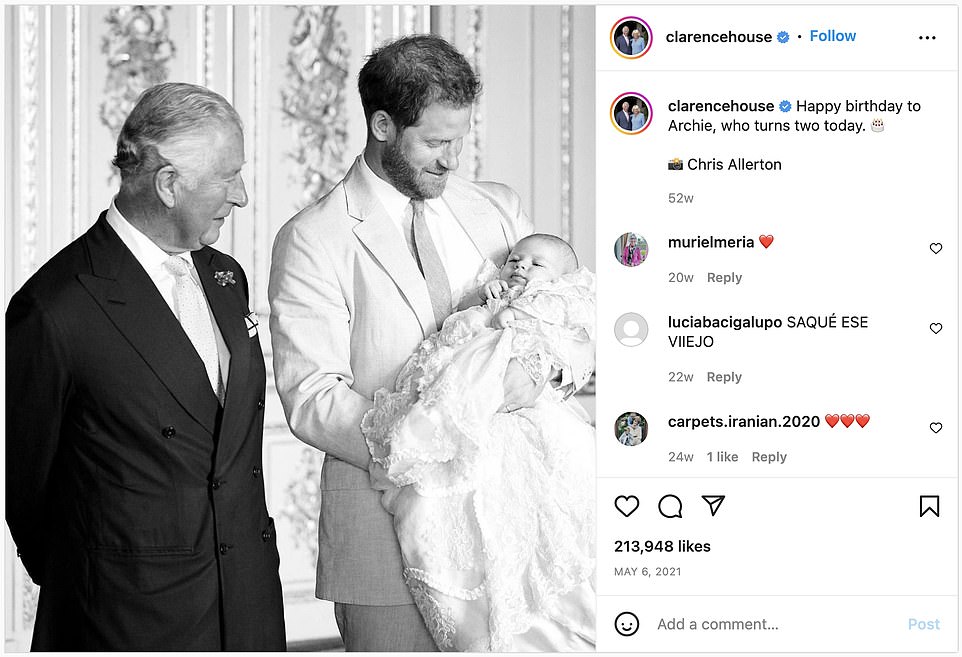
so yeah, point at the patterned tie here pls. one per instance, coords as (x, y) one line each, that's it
(429, 262)
(195, 319)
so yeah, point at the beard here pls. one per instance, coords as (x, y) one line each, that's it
(411, 182)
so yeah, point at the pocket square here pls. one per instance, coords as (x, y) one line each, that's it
(251, 320)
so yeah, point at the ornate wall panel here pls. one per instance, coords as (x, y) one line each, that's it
(73, 117)
(28, 119)
(72, 72)
(564, 115)
(313, 100)
(138, 48)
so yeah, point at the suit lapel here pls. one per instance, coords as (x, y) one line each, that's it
(480, 219)
(229, 312)
(380, 236)
(132, 302)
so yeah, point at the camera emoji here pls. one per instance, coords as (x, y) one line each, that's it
(676, 164)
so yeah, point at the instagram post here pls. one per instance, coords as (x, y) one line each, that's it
(502, 328)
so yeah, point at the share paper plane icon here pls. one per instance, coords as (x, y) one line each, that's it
(714, 502)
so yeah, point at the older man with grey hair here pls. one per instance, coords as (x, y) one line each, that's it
(135, 397)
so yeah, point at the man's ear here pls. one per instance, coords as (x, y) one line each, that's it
(164, 180)
(382, 126)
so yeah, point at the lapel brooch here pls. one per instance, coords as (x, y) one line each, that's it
(224, 278)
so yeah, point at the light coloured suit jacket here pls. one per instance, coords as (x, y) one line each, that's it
(348, 307)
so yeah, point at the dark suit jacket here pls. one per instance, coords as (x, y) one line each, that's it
(137, 502)
(623, 44)
(624, 122)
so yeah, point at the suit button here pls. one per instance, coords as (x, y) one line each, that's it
(266, 535)
(256, 472)
(169, 432)
(216, 484)
(225, 548)
(260, 404)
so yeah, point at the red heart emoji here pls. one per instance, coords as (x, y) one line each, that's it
(766, 240)
(862, 420)
(847, 420)
(832, 420)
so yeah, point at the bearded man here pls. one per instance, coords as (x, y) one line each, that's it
(358, 279)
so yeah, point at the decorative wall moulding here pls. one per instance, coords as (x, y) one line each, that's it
(138, 48)
(313, 99)
(28, 119)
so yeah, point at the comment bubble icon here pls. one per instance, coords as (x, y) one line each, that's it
(669, 506)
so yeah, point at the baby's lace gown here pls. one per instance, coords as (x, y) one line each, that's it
(494, 511)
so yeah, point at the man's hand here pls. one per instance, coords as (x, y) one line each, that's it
(520, 391)
(493, 289)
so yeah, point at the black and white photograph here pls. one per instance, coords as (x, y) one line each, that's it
(300, 327)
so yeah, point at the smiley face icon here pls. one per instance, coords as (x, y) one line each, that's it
(626, 623)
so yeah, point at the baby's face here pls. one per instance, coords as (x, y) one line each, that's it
(531, 260)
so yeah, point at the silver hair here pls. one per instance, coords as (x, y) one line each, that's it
(164, 114)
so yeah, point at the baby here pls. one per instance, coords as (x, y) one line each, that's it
(494, 511)
(538, 257)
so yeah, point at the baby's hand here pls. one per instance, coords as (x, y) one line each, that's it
(492, 290)
(501, 320)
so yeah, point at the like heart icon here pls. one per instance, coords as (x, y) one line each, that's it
(832, 420)
(626, 504)
(847, 420)
(862, 420)
(766, 240)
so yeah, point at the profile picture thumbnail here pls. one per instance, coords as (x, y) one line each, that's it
(631, 429)
(631, 113)
(631, 37)
(631, 329)
(631, 250)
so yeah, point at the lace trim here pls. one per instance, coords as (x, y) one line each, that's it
(439, 586)
(437, 618)
(470, 475)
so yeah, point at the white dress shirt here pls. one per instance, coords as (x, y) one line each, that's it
(461, 259)
(151, 257)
